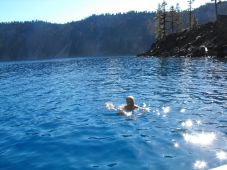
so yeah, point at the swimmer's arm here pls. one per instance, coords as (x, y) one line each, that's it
(144, 109)
(136, 107)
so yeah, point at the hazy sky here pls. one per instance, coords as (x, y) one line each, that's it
(62, 11)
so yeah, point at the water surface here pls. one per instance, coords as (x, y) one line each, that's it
(53, 115)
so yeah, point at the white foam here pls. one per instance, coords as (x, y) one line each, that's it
(110, 106)
(121, 111)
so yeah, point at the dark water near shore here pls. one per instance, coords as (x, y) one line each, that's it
(53, 114)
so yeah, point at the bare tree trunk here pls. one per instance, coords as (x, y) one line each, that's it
(164, 22)
(190, 14)
(216, 9)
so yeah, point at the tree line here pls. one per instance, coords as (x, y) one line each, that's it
(107, 34)
(171, 21)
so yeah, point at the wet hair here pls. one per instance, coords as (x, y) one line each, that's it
(130, 101)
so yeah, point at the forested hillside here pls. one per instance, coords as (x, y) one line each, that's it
(120, 34)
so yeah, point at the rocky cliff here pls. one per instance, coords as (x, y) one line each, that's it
(206, 40)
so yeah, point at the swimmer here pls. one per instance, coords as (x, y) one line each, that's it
(127, 109)
(130, 104)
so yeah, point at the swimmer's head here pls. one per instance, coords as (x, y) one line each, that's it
(130, 101)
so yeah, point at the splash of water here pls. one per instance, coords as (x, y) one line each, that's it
(121, 111)
(110, 106)
(145, 108)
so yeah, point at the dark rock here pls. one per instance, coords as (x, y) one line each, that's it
(205, 40)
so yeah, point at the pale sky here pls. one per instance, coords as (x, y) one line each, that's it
(62, 11)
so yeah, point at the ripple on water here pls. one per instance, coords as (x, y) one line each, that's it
(52, 114)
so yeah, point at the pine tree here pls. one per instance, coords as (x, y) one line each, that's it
(216, 2)
(158, 18)
(172, 16)
(167, 21)
(190, 13)
(178, 18)
(175, 19)
(194, 21)
(216, 9)
(163, 18)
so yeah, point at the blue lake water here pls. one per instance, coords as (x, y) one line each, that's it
(53, 114)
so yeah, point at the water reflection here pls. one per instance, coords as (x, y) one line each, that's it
(221, 155)
(200, 164)
(157, 112)
(176, 145)
(182, 110)
(223, 167)
(62, 105)
(198, 122)
(187, 124)
(166, 109)
(200, 138)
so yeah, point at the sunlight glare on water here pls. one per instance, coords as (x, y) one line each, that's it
(200, 165)
(176, 145)
(221, 155)
(182, 110)
(64, 114)
(200, 138)
(187, 123)
(198, 122)
(166, 109)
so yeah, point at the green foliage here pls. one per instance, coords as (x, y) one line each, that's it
(161, 20)
(172, 16)
(167, 21)
(121, 34)
(158, 24)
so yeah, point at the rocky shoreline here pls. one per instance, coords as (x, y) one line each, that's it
(205, 40)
